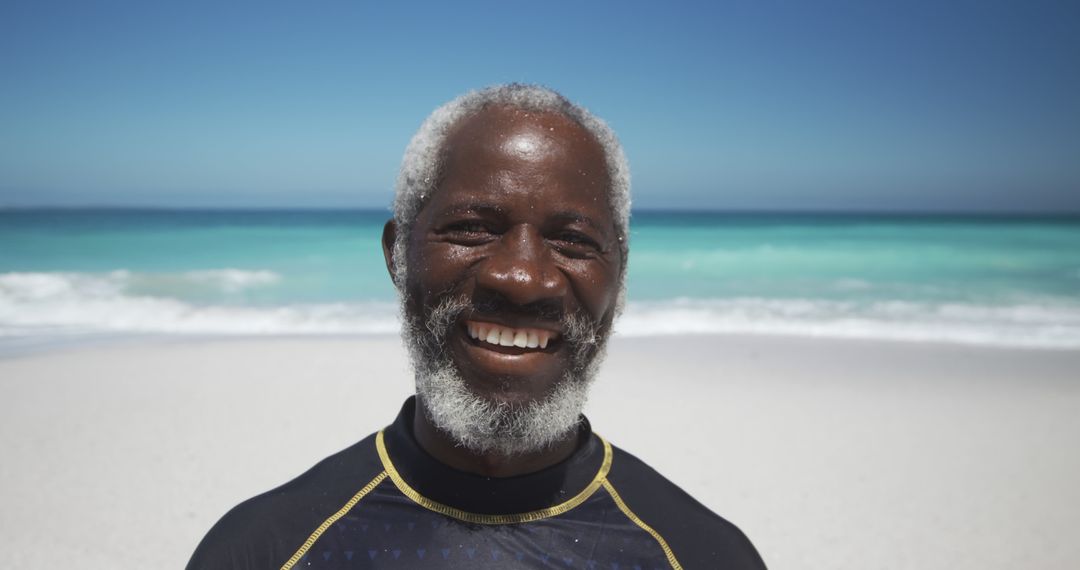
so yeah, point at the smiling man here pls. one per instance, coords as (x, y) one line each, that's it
(508, 248)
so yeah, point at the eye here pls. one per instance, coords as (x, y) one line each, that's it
(576, 244)
(468, 231)
(468, 227)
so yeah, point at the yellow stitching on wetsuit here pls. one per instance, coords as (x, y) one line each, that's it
(477, 518)
(333, 518)
(630, 514)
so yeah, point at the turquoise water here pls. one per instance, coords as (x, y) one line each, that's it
(998, 281)
(846, 257)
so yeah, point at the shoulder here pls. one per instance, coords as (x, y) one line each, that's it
(698, 537)
(264, 531)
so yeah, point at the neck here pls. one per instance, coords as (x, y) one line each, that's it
(489, 464)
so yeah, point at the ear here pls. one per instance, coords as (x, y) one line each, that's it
(389, 234)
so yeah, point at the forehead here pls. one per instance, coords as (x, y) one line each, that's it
(503, 152)
(494, 126)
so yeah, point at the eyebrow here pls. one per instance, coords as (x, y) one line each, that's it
(472, 207)
(569, 216)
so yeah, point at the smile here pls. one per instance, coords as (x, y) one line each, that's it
(499, 335)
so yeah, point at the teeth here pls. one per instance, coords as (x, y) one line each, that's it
(506, 336)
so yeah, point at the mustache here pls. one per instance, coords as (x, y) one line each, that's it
(491, 302)
(578, 327)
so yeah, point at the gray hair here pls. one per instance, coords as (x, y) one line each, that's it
(420, 167)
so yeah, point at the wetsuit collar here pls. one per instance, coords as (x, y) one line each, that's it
(473, 493)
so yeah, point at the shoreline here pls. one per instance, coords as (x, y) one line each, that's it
(25, 346)
(827, 453)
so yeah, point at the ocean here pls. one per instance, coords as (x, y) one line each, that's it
(67, 275)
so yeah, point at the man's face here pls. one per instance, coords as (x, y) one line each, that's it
(520, 244)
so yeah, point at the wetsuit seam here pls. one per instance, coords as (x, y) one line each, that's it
(477, 518)
(640, 523)
(332, 519)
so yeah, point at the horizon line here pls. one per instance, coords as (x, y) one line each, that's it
(930, 212)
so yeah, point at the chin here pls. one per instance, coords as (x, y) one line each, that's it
(507, 422)
(513, 392)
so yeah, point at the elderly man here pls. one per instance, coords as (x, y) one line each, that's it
(508, 248)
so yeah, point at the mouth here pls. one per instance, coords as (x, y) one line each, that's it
(519, 362)
(511, 340)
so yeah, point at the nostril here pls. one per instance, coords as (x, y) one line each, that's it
(523, 279)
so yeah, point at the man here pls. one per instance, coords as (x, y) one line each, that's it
(508, 248)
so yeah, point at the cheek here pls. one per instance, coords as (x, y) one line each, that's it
(436, 268)
(597, 288)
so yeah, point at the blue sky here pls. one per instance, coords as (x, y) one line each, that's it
(732, 105)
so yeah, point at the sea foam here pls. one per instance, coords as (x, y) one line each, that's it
(67, 303)
(1043, 324)
(70, 303)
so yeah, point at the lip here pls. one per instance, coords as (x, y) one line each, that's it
(552, 346)
(514, 322)
(493, 361)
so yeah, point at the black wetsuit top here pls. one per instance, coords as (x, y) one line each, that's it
(385, 503)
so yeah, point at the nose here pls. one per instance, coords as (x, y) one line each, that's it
(521, 268)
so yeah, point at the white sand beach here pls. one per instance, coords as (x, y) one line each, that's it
(827, 453)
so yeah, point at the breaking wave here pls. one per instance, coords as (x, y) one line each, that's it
(126, 302)
(1045, 324)
(63, 304)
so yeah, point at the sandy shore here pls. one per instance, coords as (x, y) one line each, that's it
(828, 454)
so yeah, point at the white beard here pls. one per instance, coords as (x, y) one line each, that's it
(481, 425)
